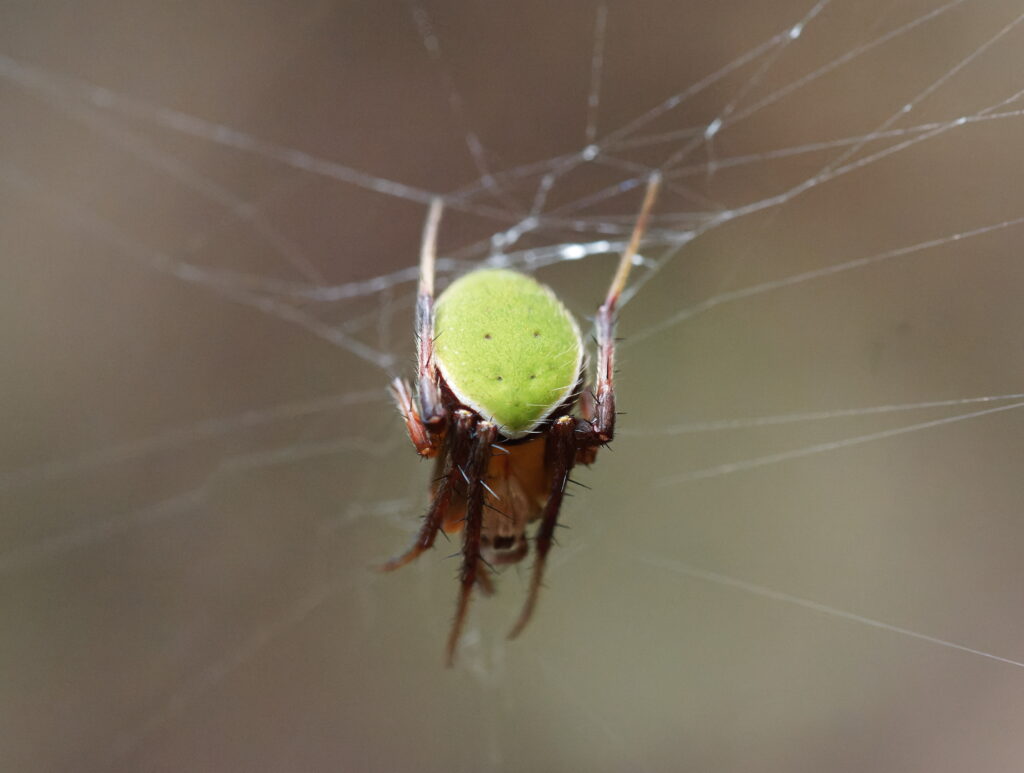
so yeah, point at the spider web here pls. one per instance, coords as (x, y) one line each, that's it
(802, 552)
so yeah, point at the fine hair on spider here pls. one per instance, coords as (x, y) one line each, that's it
(501, 367)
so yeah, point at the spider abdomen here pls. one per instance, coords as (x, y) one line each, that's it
(507, 348)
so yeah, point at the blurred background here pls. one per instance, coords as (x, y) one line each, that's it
(803, 552)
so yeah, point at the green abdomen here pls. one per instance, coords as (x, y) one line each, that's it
(507, 348)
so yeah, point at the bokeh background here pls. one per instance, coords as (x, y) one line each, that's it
(209, 218)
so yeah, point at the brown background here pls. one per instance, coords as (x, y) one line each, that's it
(184, 584)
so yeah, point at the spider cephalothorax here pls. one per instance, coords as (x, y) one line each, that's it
(500, 370)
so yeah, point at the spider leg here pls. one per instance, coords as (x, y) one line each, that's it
(456, 451)
(561, 453)
(479, 457)
(604, 421)
(427, 443)
(432, 411)
(587, 452)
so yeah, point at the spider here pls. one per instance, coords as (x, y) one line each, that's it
(501, 366)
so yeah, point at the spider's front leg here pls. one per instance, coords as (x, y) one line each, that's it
(432, 411)
(603, 422)
(424, 418)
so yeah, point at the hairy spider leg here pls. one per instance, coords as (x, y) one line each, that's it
(427, 444)
(425, 418)
(561, 455)
(476, 470)
(455, 456)
(604, 420)
(587, 453)
(432, 411)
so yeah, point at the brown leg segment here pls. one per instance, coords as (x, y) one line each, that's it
(561, 457)
(427, 444)
(479, 456)
(587, 452)
(456, 452)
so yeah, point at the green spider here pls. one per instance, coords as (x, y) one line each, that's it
(501, 365)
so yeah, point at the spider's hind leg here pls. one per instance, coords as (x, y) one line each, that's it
(475, 471)
(561, 455)
(455, 453)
